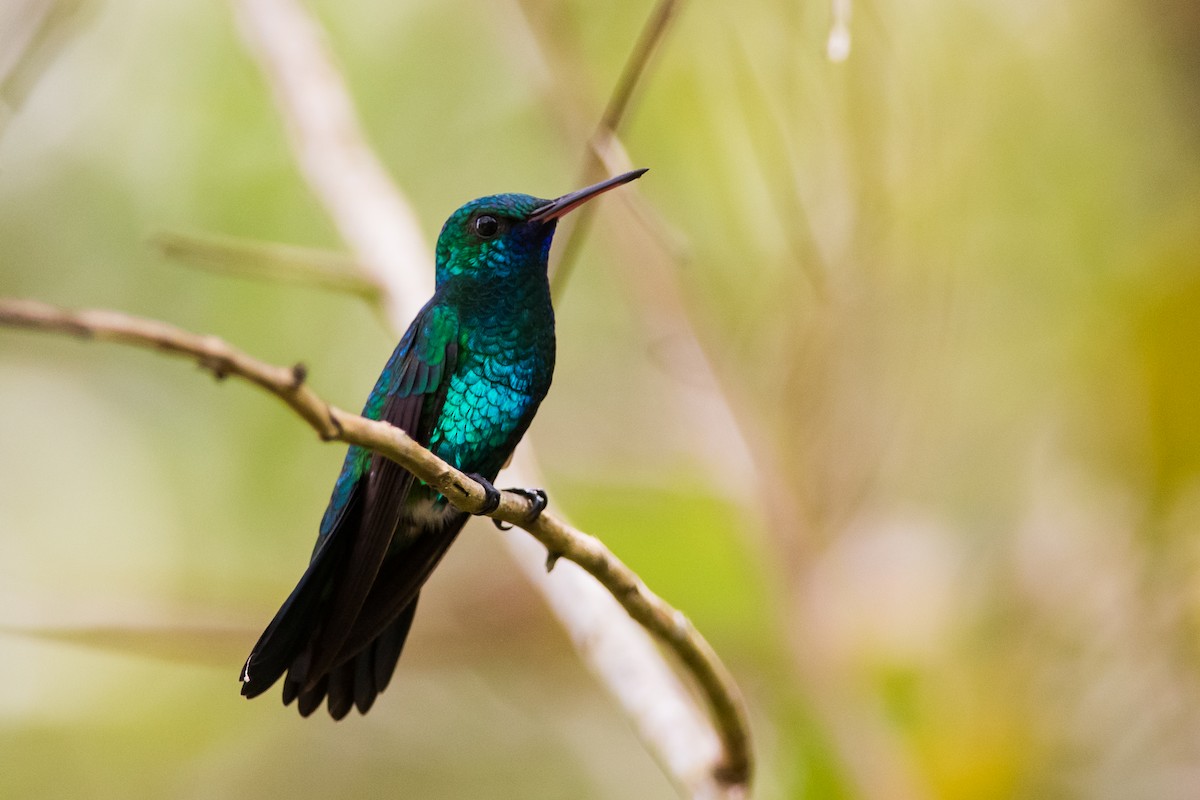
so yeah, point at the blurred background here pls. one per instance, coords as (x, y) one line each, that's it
(898, 400)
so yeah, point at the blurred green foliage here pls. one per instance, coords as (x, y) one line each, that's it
(936, 501)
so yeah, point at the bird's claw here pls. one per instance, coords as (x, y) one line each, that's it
(491, 495)
(537, 497)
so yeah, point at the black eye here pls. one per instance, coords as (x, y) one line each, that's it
(486, 226)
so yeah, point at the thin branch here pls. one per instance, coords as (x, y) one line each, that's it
(648, 41)
(605, 153)
(626, 661)
(560, 539)
(270, 261)
(604, 148)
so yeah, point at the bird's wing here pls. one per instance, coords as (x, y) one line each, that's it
(357, 529)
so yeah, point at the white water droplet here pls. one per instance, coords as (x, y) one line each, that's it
(837, 48)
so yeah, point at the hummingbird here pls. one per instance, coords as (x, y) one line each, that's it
(465, 381)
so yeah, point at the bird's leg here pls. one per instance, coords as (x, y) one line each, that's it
(491, 499)
(535, 496)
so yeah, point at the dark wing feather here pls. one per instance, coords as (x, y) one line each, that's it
(308, 634)
(387, 487)
(400, 580)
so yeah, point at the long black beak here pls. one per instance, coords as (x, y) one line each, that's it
(569, 202)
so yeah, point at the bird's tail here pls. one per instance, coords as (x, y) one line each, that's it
(286, 646)
(356, 681)
(371, 646)
(289, 632)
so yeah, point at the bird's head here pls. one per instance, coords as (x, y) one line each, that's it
(505, 235)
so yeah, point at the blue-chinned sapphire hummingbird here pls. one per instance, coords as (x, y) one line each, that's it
(465, 381)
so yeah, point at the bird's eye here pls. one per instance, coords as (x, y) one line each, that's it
(486, 226)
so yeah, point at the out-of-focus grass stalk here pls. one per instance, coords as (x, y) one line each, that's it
(269, 261)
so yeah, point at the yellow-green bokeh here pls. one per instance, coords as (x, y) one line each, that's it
(930, 482)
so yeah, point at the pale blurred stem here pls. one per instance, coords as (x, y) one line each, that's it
(778, 171)
(561, 540)
(604, 152)
(32, 32)
(270, 261)
(372, 215)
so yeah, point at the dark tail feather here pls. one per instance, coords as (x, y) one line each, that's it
(310, 701)
(289, 632)
(365, 689)
(355, 682)
(341, 689)
(387, 486)
(387, 649)
(368, 651)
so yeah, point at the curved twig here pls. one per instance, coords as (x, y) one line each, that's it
(560, 539)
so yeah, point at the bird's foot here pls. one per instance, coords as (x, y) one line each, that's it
(537, 497)
(491, 495)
